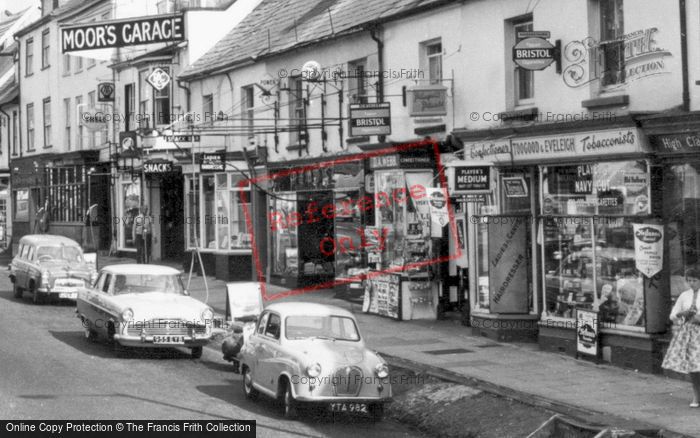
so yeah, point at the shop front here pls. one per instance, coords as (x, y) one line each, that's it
(404, 234)
(557, 235)
(315, 227)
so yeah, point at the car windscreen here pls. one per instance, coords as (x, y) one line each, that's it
(60, 252)
(324, 327)
(145, 283)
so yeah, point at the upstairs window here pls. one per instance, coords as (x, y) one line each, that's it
(249, 109)
(433, 53)
(45, 48)
(524, 80)
(29, 57)
(611, 56)
(357, 75)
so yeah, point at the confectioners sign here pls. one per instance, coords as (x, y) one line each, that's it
(579, 144)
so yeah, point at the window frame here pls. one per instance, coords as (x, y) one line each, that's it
(67, 106)
(30, 127)
(616, 44)
(357, 81)
(517, 25)
(29, 57)
(45, 49)
(248, 108)
(46, 112)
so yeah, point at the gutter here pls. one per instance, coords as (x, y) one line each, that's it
(684, 54)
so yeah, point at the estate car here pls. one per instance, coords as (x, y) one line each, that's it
(49, 266)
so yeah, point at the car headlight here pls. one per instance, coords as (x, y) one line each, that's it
(45, 277)
(128, 315)
(207, 314)
(381, 370)
(314, 370)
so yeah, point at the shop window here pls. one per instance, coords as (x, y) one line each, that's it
(67, 193)
(240, 201)
(21, 205)
(131, 202)
(192, 212)
(611, 56)
(285, 250)
(681, 202)
(208, 108)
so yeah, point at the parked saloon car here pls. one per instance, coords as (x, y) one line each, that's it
(144, 306)
(314, 354)
(49, 266)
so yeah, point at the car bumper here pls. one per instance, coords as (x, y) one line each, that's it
(368, 400)
(65, 293)
(148, 342)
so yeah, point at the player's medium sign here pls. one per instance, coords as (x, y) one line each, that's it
(121, 33)
(370, 119)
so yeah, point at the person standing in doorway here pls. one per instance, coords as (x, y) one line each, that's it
(683, 355)
(142, 232)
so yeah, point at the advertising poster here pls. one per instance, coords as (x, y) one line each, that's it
(438, 211)
(649, 248)
(508, 265)
(587, 332)
(382, 295)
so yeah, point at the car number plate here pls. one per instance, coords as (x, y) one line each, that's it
(168, 339)
(349, 407)
(70, 295)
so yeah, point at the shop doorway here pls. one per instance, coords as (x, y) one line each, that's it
(172, 217)
(316, 264)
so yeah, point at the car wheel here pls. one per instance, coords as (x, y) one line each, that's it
(17, 291)
(117, 348)
(288, 403)
(197, 352)
(250, 392)
(376, 411)
(90, 335)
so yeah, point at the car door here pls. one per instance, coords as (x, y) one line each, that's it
(99, 305)
(32, 272)
(16, 266)
(267, 352)
(85, 300)
(251, 346)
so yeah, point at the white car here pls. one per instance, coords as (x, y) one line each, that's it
(144, 306)
(314, 354)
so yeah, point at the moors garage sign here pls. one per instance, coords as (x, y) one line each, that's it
(121, 33)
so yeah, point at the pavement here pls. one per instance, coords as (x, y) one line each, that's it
(593, 393)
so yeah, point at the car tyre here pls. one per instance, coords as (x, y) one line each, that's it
(17, 291)
(250, 392)
(376, 412)
(289, 404)
(117, 348)
(196, 352)
(90, 335)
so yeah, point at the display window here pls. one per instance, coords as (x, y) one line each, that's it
(215, 211)
(587, 240)
(21, 207)
(348, 229)
(130, 204)
(285, 249)
(681, 201)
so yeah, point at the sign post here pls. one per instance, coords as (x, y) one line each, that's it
(534, 53)
(370, 119)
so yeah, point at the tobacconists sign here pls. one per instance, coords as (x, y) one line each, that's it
(122, 33)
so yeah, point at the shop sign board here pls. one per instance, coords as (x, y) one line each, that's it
(554, 147)
(370, 119)
(587, 332)
(465, 179)
(473, 198)
(677, 143)
(533, 53)
(121, 33)
(158, 78)
(212, 162)
(427, 100)
(157, 167)
(508, 265)
(94, 118)
(648, 248)
(409, 159)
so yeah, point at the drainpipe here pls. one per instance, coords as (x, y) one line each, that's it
(374, 32)
(684, 54)
(187, 94)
